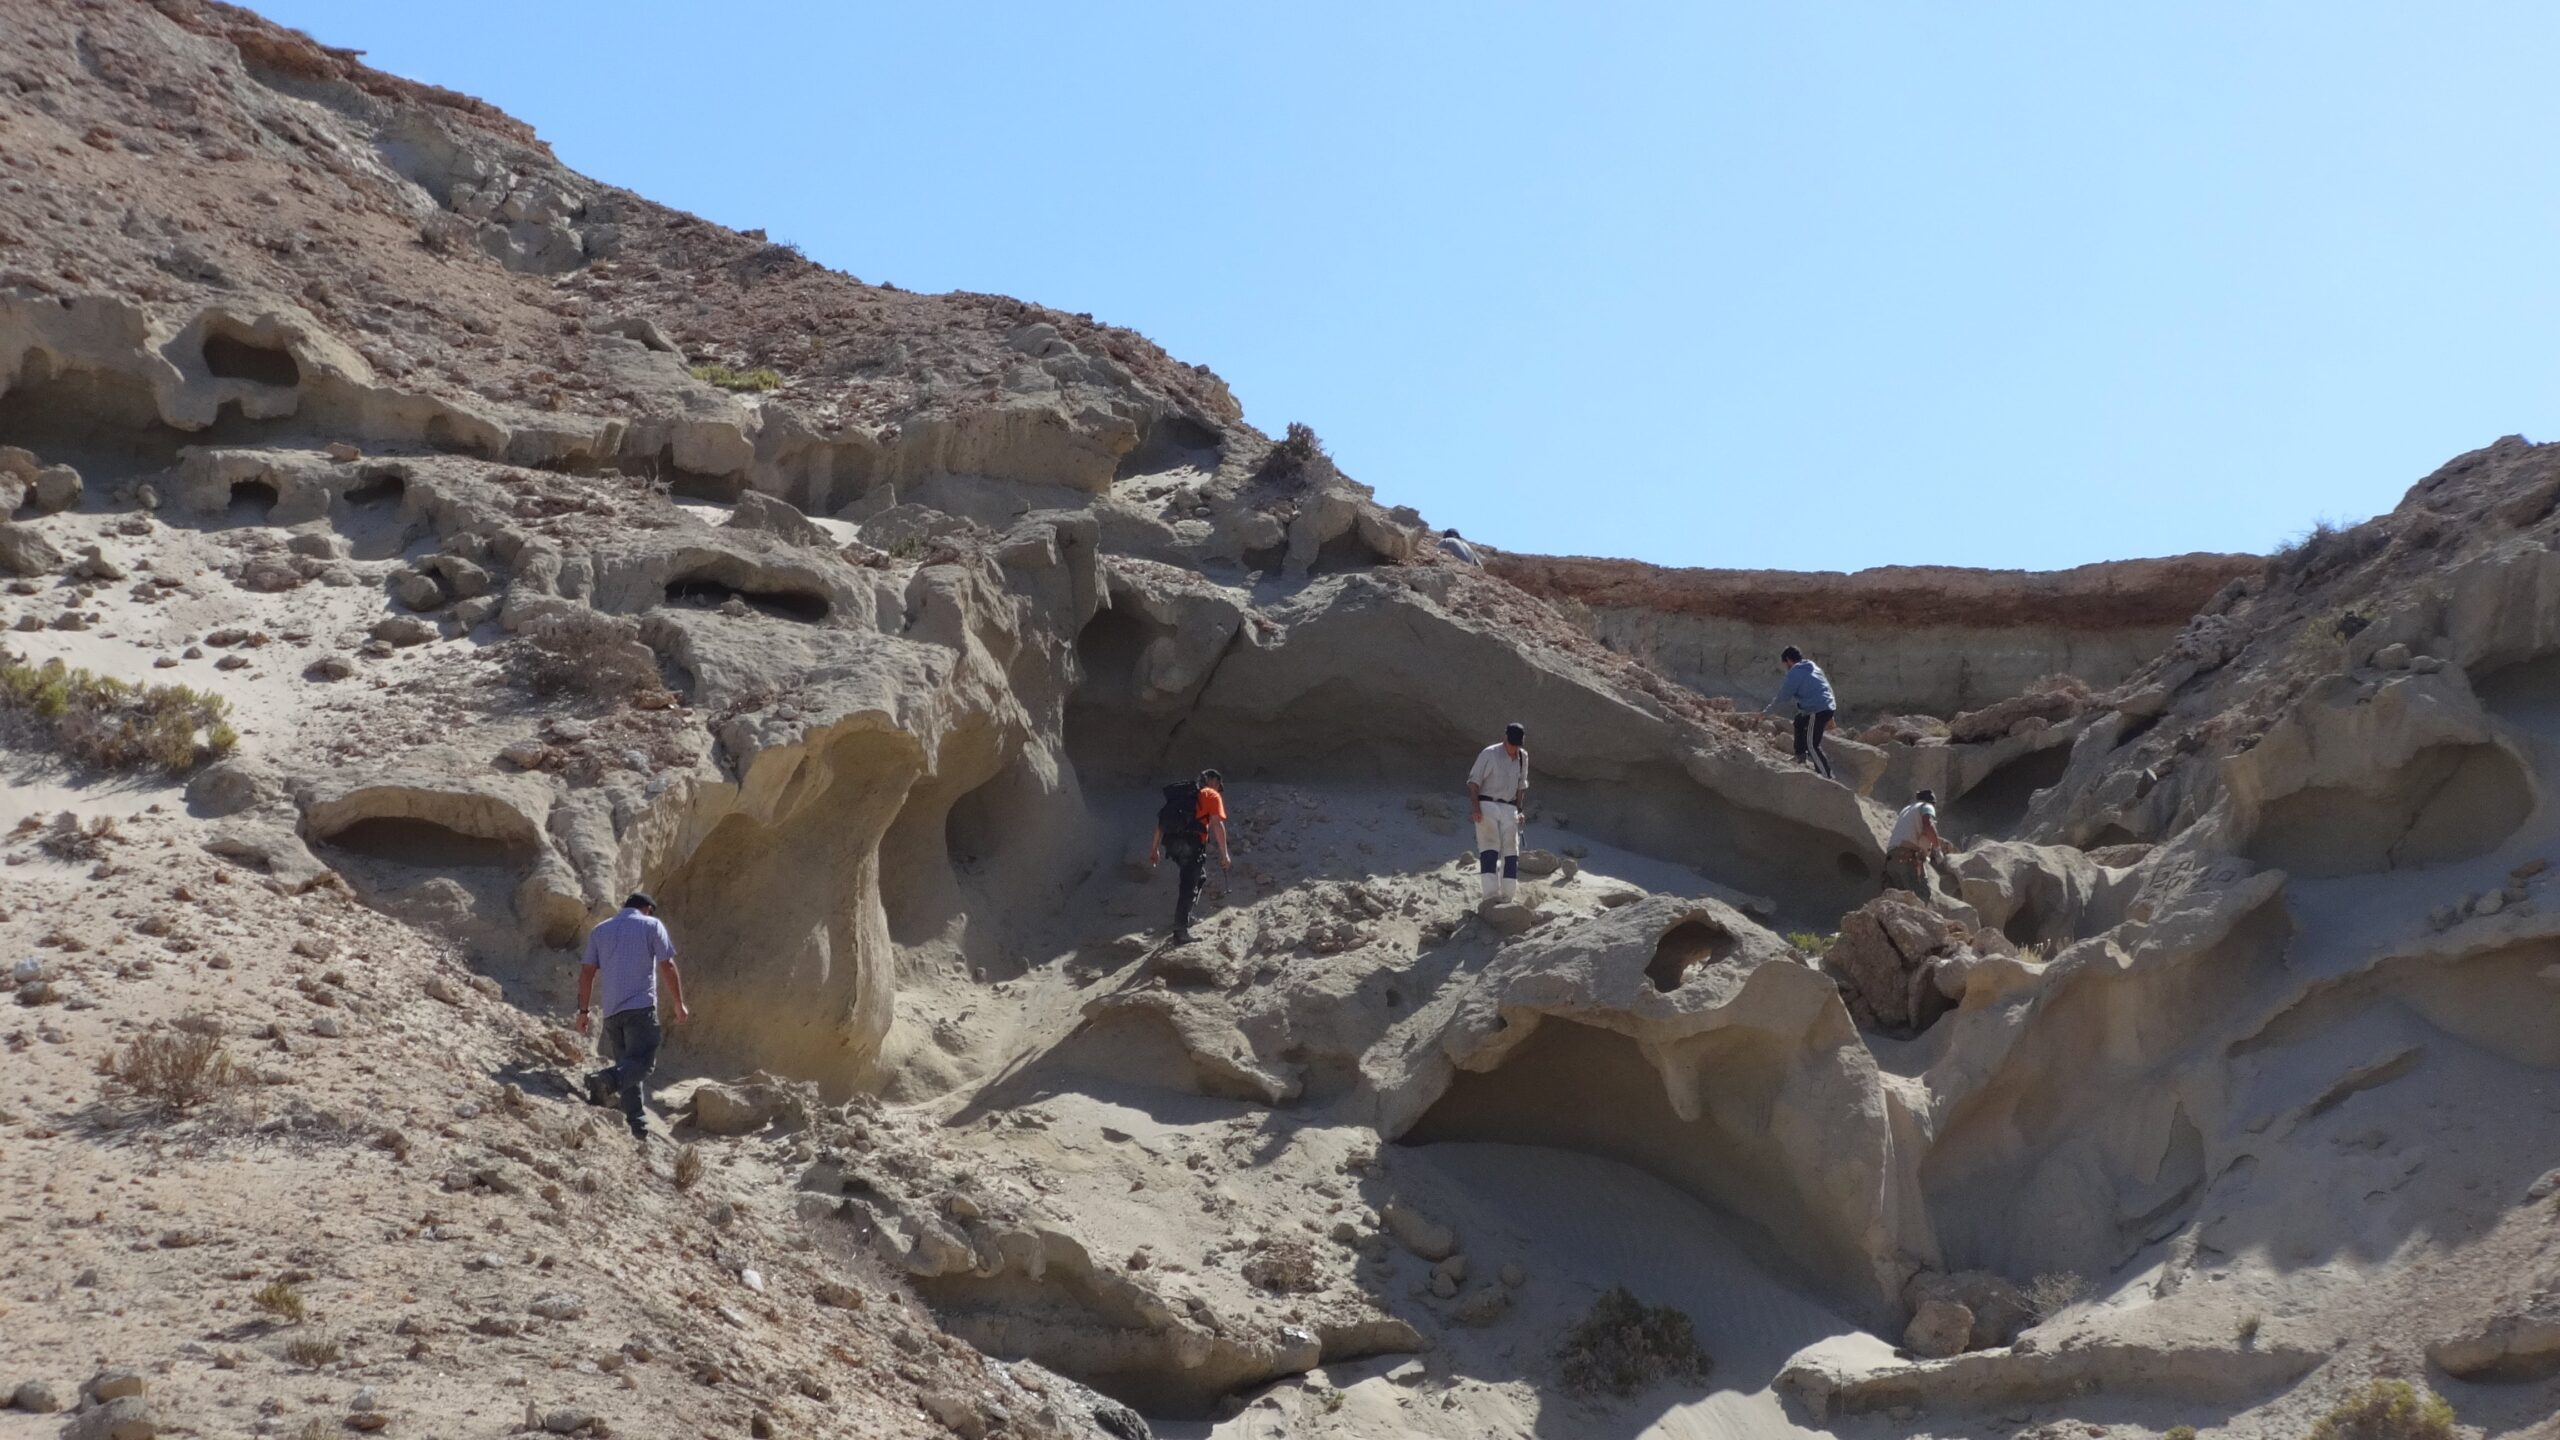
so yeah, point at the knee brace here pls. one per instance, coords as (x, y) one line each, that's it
(1486, 858)
(1510, 867)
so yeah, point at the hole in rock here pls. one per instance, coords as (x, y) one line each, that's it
(1107, 734)
(378, 487)
(1268, 560)
(2449, 802)
(1173, 443)
(1691, 942)
(2138, 729)
(107, 424)
(1997, 804)
(2114, 834)
(405, 840)
(231, 358)
(705, 592)
(1577, 1087)
(252, 502)
(1346, 551)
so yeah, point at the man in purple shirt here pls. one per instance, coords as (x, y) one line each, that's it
(630, 951)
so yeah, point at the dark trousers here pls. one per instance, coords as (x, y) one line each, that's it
(1192, 866)
(631, 1038)
(1809, 730)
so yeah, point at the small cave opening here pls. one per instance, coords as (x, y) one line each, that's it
(253, 502)
(1267, 560)
(2447, 803)
(2025, 925)
(2113, 835)
(1692, 942)
(1175, 442)
(230, 357)
(682, 483)
(1346, 551)
(378, 487)
(1107, 735)
(1590, 1091)
(708, 592)
(1997, 804)
(2139, 728)
(408, 840)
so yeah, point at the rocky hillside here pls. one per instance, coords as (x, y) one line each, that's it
(414, 546)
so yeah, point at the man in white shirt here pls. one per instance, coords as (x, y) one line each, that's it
(1915, 840)
(1496, 788)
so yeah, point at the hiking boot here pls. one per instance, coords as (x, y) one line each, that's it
(1181, 937)
(597, 1094)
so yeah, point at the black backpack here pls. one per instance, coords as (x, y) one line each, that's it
(1179, 818)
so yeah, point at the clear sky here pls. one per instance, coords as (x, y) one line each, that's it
(1810, 286)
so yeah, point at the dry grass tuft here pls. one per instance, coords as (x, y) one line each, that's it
(1624, 1346)
(2388, 1410)
(313, 1351)
(172, 1072)
(2050, 1295)
(758, 379)
(112, 724)
(280, 1299)
(71, 840)
(688, 1167)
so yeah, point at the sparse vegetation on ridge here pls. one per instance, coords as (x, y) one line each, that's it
(755, 381)
(111, 724)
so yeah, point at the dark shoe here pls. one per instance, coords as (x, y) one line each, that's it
(597, 1093)
(1181, 937)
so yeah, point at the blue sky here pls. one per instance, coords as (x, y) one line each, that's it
(1803, 286)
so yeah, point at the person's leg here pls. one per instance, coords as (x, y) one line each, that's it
(1821, 722)
(1802, 720)
(638, 1042)
(1510, 852)
(1489, 849)
(1195, 869)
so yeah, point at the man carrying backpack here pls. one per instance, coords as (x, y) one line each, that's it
(1193, 813)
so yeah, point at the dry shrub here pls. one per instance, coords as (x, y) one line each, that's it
(2388, 1410)
(2050, 1295)
(113, 724)
(172, 1072)
(1624, 1346)
(312, 1351)
(71, 840)
(1284, 1267)
(2325, 548)
(1299, 457)
(585, 654)
(280, 1299)
(688, 1167)
(756, 380)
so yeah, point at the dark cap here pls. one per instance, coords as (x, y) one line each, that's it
(639, 900)
(1927, 797)
(1515, 732)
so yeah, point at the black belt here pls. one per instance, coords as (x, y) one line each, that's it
(1490, 800)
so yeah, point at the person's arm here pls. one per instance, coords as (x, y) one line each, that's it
(675, 988)
(586, 992)
(1218, 828)
(1155, 846)
(1929, 834)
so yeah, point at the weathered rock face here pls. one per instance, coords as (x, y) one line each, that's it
(1929, 638)
(870, 676)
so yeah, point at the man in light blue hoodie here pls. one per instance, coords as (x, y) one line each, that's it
(1814, 707)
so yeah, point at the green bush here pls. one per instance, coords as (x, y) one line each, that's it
(114, 724)
(1625, 1345)
(2388, 1410)
(1811, 943)
(759, 378)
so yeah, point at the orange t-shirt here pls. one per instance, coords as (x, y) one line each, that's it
(1212, 806)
